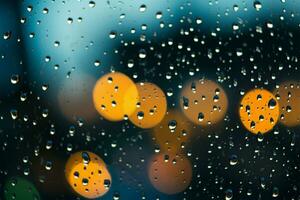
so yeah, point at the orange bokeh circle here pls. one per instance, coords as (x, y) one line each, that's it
(173, 132)
(87, 174)
(151, 107)
(288, 96)
(170, 173)
(203, 101)
(259, 111)
(115, 96)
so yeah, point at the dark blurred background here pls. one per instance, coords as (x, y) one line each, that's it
(52, 53)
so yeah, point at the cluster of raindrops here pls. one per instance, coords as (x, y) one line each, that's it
(211, 103)
(87, 174)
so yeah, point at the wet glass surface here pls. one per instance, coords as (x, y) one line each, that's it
(181, 100)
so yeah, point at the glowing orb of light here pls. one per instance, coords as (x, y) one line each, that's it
(20, 189)
(259, 111)
(170, 173)
(288, 96)
(87, 174)
(203, 101)
(115, 96)
(173, 132)
(151, 107)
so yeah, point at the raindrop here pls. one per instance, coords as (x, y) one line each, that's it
(92, 4)
(14, 79)
(233, 159)
(85, 157)
(143, 8)
(272, 103)
(228, 194)
(200, 117)
(257, 5)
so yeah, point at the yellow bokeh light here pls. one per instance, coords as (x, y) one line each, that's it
(173, 132)
(170, 173)
(259, 111)
(288, 96)
(115, 96)
(204, 102)
(151, 107)
(87, 174)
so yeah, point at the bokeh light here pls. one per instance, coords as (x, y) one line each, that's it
(87, 174)
(259, 111)
(20, 189)
(288, 96)
(115, 96)
(151, 107)
(203, 101)
(170, 173)
(174, 131)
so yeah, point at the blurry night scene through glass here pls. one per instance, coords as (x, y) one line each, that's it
(150, 100)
